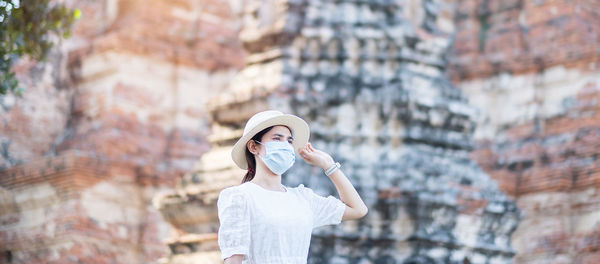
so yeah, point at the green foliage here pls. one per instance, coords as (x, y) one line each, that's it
(26, 30)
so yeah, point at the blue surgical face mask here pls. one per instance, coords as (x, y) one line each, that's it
(280, 156)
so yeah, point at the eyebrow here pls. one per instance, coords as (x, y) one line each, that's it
(280, 135)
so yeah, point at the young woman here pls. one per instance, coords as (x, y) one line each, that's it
(265, 222)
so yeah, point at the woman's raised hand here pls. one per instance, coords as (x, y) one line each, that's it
(316, 157)
(355, 207)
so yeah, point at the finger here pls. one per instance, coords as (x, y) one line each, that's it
(305, 147)
(305, 157)
(310, 147)
(302, 151)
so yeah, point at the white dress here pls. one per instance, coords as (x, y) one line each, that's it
(272, 227)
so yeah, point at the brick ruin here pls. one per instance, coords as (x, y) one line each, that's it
(114, 117)
(532, 69)
(447, 115)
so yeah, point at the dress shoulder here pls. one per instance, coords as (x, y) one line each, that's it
(233, 189)
(326, 210)
(303, 190)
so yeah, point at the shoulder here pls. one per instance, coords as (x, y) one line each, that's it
(231, 191)
(234, 189)
(300, 187)
(302, 190)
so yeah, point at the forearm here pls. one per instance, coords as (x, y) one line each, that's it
(348, 194)
(355, 207)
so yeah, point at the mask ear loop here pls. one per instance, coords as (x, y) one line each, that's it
(250, 169)
(258, 143)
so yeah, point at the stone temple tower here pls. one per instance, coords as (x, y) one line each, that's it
(369, 78)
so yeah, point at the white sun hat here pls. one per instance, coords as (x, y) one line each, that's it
(262, 120)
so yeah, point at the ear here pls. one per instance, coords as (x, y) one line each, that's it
(251, 145)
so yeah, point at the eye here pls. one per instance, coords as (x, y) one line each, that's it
(291, 141)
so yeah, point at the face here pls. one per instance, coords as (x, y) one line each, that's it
(277, 133)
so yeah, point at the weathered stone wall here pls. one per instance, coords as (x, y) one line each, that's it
(77, 209)
(116, 116)
(532, 69)
(403, 132)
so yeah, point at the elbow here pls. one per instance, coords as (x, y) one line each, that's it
(355, 213)
(363, 211)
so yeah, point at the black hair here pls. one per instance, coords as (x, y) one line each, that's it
(250, 159)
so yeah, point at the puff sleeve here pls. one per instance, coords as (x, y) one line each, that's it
(325, 210)
(234, 219)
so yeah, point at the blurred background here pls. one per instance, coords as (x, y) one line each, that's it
(471, 128)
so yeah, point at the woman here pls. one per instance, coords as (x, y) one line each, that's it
(265, 222)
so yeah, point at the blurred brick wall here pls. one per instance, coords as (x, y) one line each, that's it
(115, 116)
(532, 68)
(77, 209)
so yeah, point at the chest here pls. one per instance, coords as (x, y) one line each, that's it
(282, 212)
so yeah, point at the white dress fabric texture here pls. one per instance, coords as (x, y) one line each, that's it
(272, 227)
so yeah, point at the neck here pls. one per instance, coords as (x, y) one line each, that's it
(266, 178)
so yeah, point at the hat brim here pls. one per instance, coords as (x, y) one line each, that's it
(298, 127)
